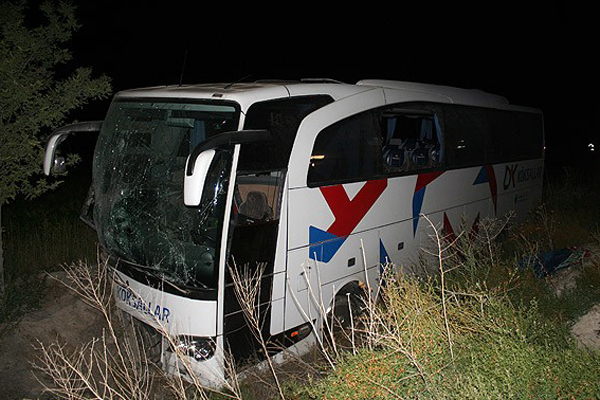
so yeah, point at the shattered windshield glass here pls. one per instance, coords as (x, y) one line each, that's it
(139, 168)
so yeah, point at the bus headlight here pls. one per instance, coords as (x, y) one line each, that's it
(199, 348)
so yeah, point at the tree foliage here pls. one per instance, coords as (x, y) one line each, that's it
(36, 92)
(39, 87)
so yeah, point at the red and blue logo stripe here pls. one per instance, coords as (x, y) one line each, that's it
(348, 214)
(324, 244)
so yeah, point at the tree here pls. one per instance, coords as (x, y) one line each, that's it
(38, 89)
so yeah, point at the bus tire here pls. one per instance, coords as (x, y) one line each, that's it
(350, 299)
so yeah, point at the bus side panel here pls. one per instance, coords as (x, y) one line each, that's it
(322, 253)
(448, 197)
(312, 284)
(520, 187)
(301, 304)
(307, 208)
(398, 222)
(398, 246)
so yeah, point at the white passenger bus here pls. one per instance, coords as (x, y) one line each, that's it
(317, 182)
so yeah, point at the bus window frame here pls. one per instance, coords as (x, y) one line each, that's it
(440, 111)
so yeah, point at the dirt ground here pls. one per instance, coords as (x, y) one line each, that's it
(63, 318)
(67, 319)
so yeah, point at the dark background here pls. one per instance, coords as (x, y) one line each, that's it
(542, 55)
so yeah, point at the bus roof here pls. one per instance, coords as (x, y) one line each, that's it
(473, 97)
(245, 94)
(248, 93)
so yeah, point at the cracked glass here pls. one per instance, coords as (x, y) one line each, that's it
(139, 167)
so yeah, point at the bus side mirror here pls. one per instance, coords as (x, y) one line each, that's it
(196, 169)
(201, 158)
(55, 164)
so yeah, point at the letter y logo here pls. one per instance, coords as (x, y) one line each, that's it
(348, 213)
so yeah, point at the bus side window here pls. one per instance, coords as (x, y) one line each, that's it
(347, 151)
(412, 140)
(468, 130)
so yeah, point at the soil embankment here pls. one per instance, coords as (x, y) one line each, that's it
(63, 318)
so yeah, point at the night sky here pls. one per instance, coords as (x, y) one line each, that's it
(542, 56)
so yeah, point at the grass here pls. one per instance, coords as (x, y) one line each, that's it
(503, 347)
(39, 236)
(42, 234)
(571, 207)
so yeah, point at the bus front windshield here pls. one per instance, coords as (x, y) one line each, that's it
(138, 172)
